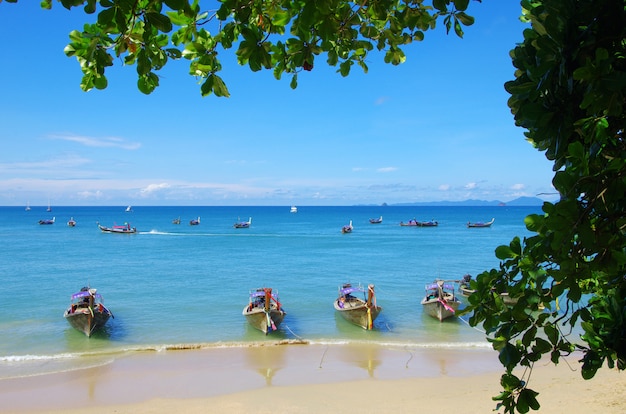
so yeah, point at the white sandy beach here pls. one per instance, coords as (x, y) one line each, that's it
(305, 379)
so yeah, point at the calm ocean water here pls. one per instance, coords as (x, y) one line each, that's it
(185, 286)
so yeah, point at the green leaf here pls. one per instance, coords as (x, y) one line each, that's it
(160, 21)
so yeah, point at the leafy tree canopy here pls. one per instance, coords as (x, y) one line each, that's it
(283, 35)
(569, 95)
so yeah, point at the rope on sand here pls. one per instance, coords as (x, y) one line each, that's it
(409, 360)
(323, 356)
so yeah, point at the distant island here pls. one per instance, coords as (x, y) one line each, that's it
(518, 202)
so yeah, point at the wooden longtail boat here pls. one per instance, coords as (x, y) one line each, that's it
(264, 311)
(481, 223)
(123, 229)
(243, 224)
(440, 302)
(87, 312)
(361, 312)
(347, 228)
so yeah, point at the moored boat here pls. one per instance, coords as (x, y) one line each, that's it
(47, 221)
(71, 222)
(481, 223)
(123, 229)
(194, 222)
(87, 312)
(176, 221)
(440, 301)
(464, 285)
(376, 220)
(415, 223)
(361, 312)
(347, 228)
(243, 224)
(264, 310)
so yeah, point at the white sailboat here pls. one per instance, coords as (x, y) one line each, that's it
(129, 209)
(27, 206)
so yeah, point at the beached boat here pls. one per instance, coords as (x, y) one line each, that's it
(243, 224)
(294, 209)
(47, 221)
(264, 311)
(361, 312)
(440, 301)
(376, 220)
(347, 228)
(124, 229)
(176, 221)
(87, 312)
(194, 222)
(481, 223)
(71, 222)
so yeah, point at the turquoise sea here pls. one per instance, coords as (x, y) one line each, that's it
(181, 286)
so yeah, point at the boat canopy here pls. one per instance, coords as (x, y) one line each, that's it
(85, 294)
(436, 286)
(350, 289)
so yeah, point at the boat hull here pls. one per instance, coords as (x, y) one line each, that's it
(124, 230)
(438, 311)
(265, 322)
(357, 312)
(85, 320)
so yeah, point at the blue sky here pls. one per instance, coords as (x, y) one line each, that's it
(435, 128)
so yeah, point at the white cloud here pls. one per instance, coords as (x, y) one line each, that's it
(107, 142)
(444, 187)
(518, 187)
(386, 169)
(153, 188)
(470, 186)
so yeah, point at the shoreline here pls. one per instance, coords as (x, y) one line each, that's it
(305, 379)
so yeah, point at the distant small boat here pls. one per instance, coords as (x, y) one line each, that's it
(124, 229)
(49, 209)
(71, 222)
(48, 221)
(294, 209)
(129, 209)
(176, 220)
(264, 311)
(376, 220)
(415, 223)
(361, 312)
(347, 228)
(194, 222)
(27, 207)
(87, 312)
(440, 301)
(243, 224)
(481, 223)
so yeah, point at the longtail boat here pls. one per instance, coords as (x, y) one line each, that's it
(87, 312)
(480, 223)
(361, 312)
(264, 311)
(440, 301)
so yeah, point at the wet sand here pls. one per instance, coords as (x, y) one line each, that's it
(305, 379)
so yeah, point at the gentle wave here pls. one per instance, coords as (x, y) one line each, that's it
(242, 344)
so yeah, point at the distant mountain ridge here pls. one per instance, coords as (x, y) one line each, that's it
(521, 201)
